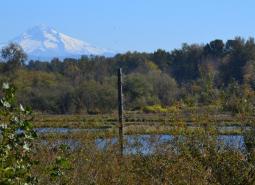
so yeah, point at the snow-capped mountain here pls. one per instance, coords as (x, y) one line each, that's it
(41, 42)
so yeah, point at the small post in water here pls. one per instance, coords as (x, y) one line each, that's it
(120, 104)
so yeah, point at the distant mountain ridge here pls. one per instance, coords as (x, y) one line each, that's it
(44, 42)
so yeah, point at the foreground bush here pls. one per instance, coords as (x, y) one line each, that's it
(16, 140)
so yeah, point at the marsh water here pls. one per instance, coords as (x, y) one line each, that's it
(142, 144)
(46, 130)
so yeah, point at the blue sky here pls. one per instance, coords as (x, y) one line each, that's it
(122, 25)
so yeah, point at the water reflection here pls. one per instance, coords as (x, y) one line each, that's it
(142, 144)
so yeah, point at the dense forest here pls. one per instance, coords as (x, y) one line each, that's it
(207, 74)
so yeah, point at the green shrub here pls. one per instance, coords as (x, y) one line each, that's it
(154, 109)
(17, 135)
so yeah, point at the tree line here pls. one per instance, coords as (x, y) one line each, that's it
(196, 74)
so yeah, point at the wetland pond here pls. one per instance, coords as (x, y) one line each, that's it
(144, 144)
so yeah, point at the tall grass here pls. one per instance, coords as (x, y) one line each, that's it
(196, 158)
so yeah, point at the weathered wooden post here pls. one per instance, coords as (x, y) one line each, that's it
(120, 104)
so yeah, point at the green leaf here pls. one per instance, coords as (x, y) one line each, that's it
(26, 147)
(6, 104)
(6, 86)
(21, 108)
(9, 171)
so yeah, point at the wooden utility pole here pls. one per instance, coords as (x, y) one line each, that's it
(120, 104)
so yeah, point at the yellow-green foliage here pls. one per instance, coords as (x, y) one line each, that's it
(174, 109)
(25, 78)
(160, 109)
(154, 109)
